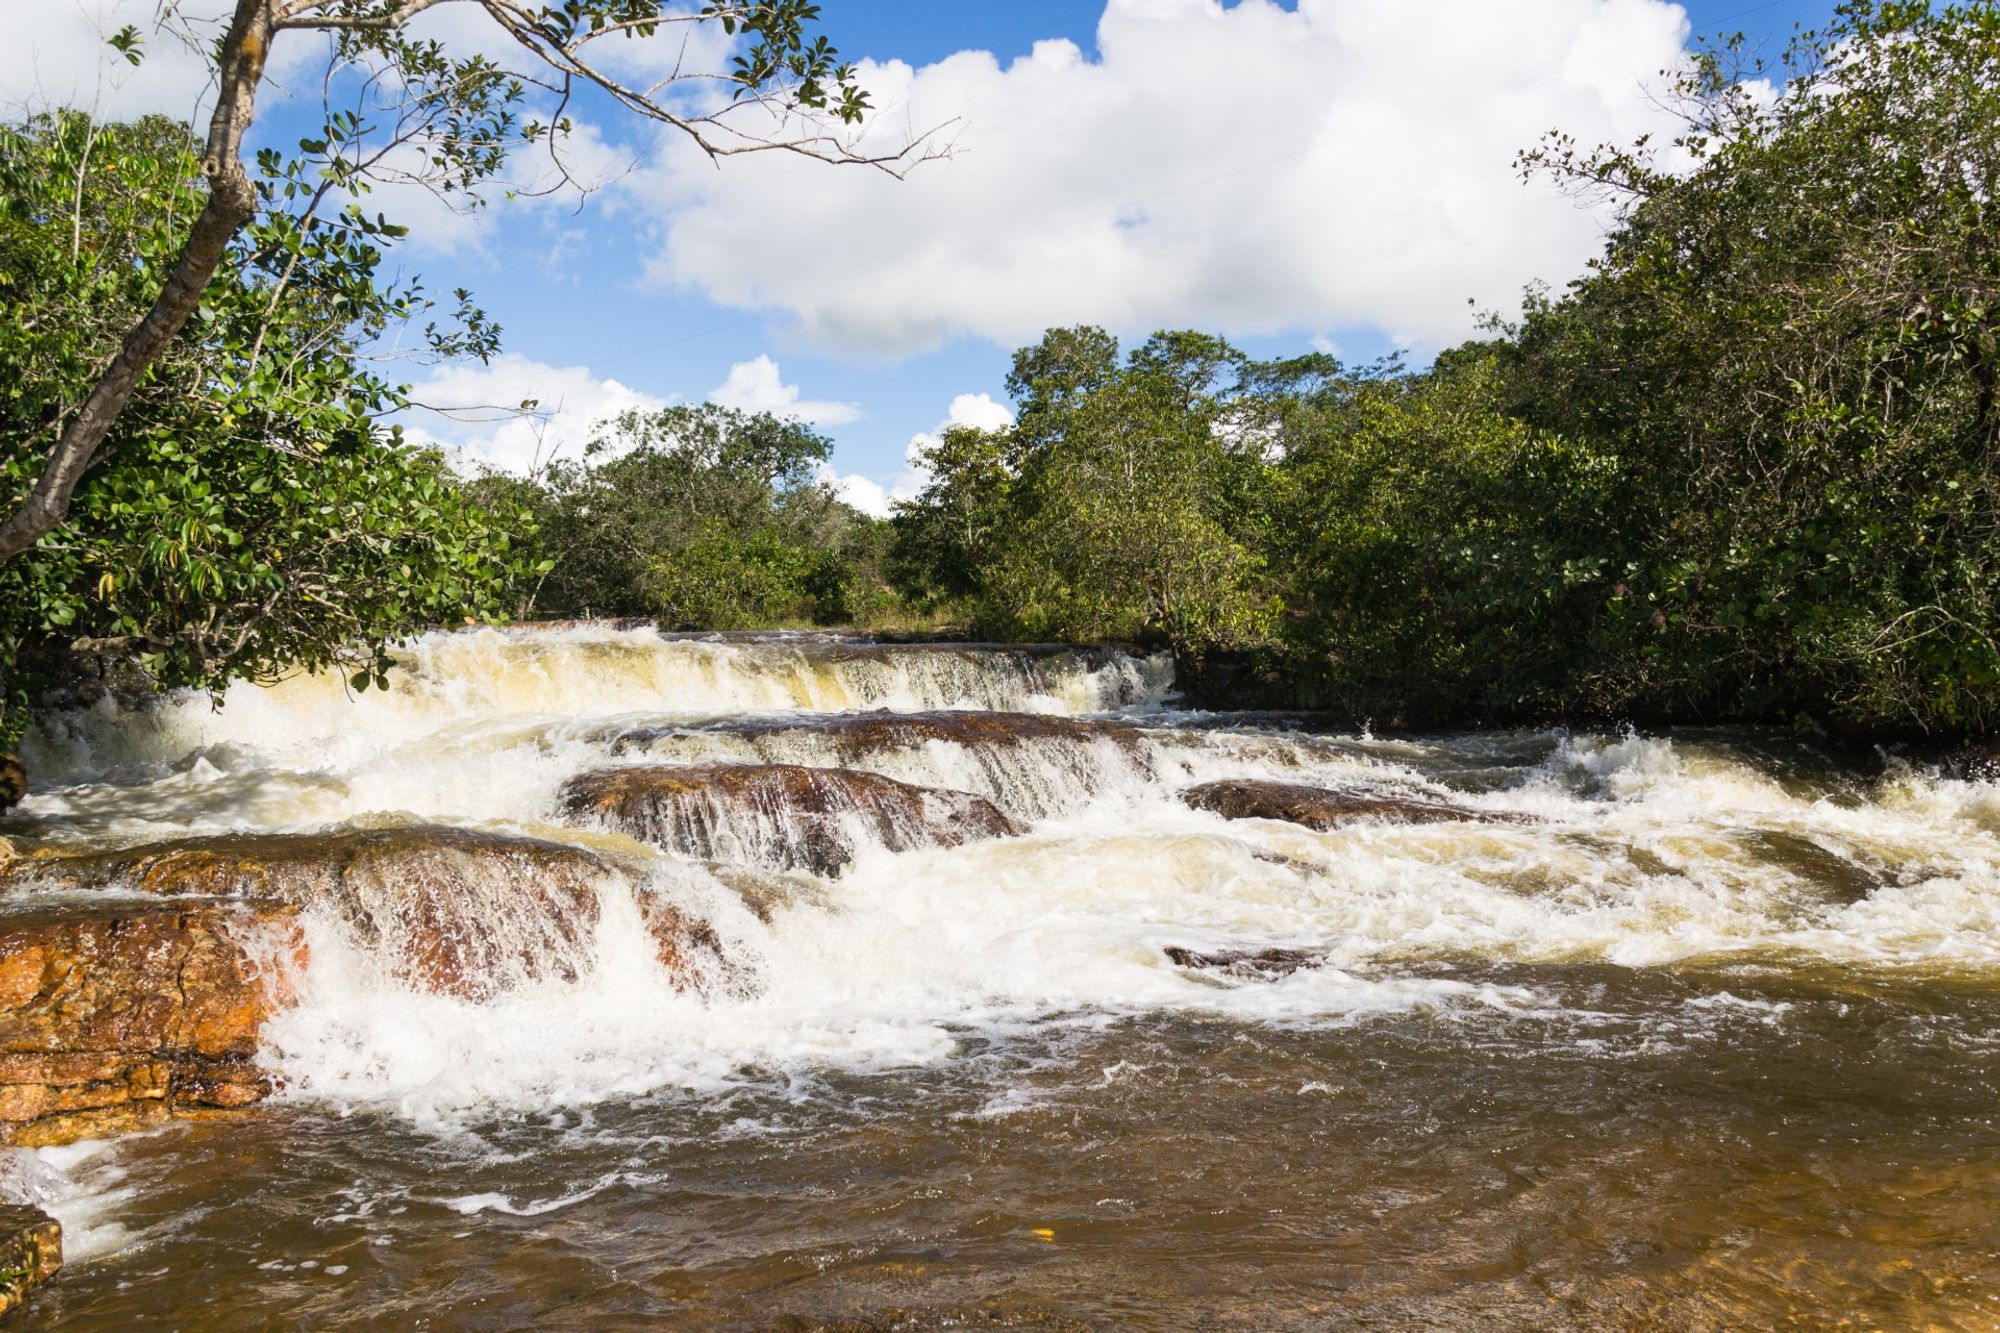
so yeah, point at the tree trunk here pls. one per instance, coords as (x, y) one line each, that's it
(232, 202)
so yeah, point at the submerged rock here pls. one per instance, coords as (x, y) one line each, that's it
(1031, 765)
(115, 1016)
(1839, 879)
(856, 736)
(452, 911)
(1254, 964)
(768, 892)
(1328, 807)
(30, 1252)
(788, 815)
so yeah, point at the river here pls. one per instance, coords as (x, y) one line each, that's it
(1697, 1030)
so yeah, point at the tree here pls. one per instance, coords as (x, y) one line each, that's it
(1441, 560)
(951, 533)
(461, 115)
(1109, 509)
(1792, 345)
(702, 517)
(231, 531)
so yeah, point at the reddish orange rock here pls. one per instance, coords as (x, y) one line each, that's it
(789, 815)
(115, 1016)
(30, 1252)
(452, 911)
(458, 912)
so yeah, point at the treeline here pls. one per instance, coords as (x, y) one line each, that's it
(700, 517)
(1747, 467)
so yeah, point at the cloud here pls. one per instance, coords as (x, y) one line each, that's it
(876, 496)
(55, 55)
(1252, 168)
(864, 493)
(756, 386)
(473, 410)
(977, 410)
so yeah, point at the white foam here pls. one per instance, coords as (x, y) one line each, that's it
(1644, 852)
(83, 1186)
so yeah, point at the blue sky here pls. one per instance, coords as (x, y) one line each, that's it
(1336, 174)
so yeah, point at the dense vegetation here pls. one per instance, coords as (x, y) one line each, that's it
(1747, 467)
(196, 467)
(252, 512)
(699, 517)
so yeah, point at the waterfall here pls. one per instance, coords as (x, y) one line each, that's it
(613, 861)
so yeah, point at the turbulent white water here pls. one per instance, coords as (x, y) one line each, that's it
(1642, 852)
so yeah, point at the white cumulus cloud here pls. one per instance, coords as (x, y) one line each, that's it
(1251, 168)
(55, 56)
(872, 495)
(757, 386)
(977, 410)
(473, 410)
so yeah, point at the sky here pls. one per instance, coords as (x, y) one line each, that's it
(1295, 174)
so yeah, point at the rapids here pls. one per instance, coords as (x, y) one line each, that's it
(1704, 1033)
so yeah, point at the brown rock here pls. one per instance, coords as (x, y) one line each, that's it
(30, 1252)
(114, 1016)
(13, 781)
(690, 951)
(453, 911)
(1259, 964)
(1327, 807)
(784, 814)
(20, 975)
(117, 1015)
(767, 892)
(856, 736)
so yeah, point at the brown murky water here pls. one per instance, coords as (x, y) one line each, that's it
(1706, 1037)
(1802, 1155)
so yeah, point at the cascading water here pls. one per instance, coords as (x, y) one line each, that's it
(1541, 1066)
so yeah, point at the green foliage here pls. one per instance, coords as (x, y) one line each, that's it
(252, 514)
(1793, 350)
(1444, 560)
(702, 517)
(1747, 467)
(1108, 510)
(958, 527)
(724, 579)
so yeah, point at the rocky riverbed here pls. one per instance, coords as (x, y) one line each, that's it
(593, 975)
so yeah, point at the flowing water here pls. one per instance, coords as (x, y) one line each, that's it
(1710, 1038)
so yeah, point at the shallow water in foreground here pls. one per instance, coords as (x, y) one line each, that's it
(1713, 1043)
(1642, 1157)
